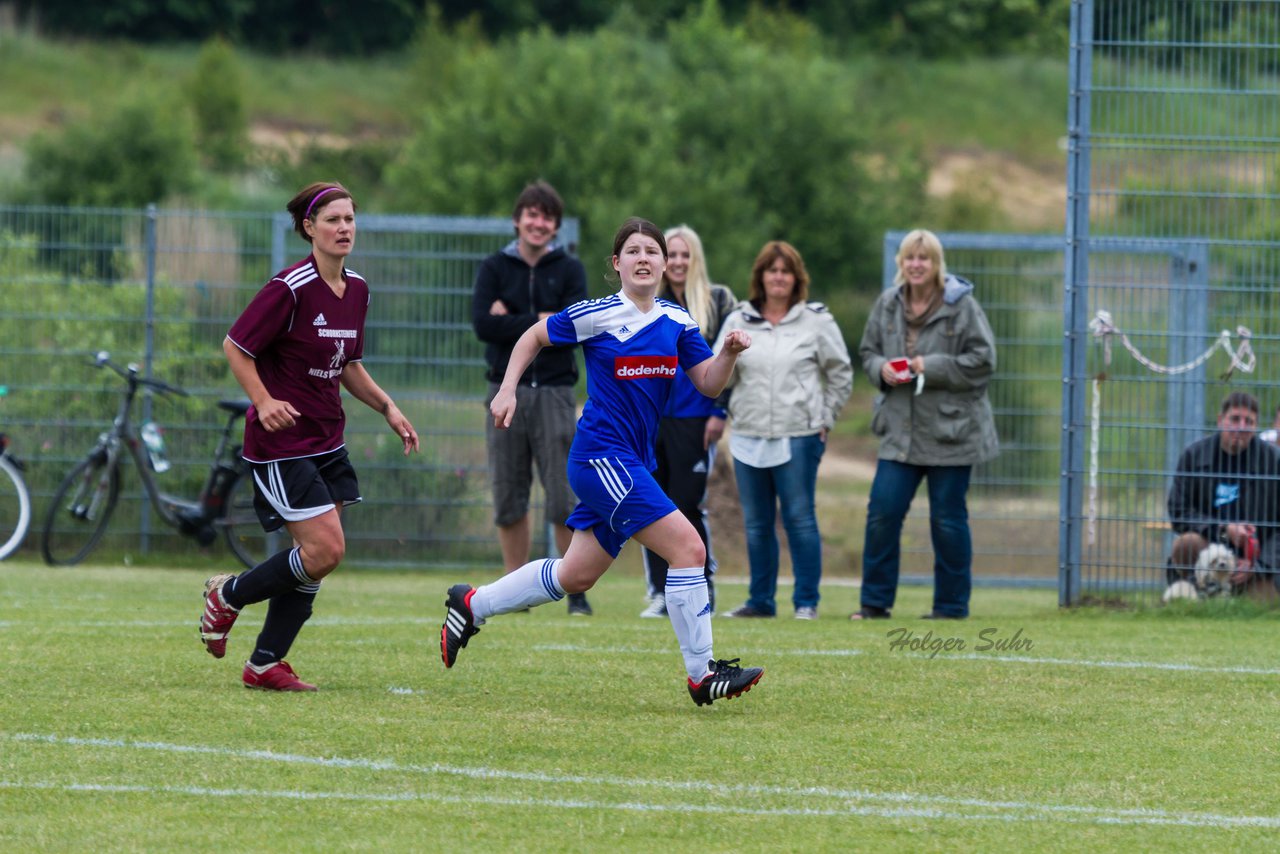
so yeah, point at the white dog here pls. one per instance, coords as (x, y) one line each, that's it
(1213, 570)
(1181, 589)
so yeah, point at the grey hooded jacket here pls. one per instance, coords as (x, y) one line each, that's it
(949, 423)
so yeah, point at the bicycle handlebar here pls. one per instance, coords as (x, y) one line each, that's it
(130, 374)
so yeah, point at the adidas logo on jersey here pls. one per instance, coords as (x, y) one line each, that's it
(701, 467)
(624, 331)
(320, 321)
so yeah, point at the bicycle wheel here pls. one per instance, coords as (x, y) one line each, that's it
(80, 510)
(15, 508)
(243, 530)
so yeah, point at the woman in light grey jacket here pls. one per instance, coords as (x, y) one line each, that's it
(929, 349)
(786, 393)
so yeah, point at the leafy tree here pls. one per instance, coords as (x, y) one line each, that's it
(141, 151)
(923, 27)
(216, 94)
(327, 25)
(744, 142)
(138, 153)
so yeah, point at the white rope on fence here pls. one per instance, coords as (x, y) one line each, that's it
(1102, 327)
(1242, 358)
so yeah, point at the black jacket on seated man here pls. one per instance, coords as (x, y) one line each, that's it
(1213, 489)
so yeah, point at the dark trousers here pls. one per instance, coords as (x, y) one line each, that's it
(894, 486)
(683, 468)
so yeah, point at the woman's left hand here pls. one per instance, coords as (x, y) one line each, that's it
(713, 431)
(736, 341)
(400, 424)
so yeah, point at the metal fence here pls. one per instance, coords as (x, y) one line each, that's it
(161, 287)
(1172, 230)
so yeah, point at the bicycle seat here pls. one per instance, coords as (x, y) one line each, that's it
(239, 407)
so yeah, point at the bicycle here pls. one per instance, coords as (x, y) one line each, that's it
(84, 501)
(15, 499)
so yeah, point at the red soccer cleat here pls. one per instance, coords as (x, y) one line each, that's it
(278, 676)
(218, 616)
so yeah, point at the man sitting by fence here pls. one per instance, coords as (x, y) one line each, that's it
(1227, 490)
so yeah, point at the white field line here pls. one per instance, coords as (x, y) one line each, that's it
(941, 656)
(1077, 662)
(907, 805)
(772, 650)
(667, 650)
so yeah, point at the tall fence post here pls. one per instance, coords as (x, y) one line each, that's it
(148, 352)
(1076, 305)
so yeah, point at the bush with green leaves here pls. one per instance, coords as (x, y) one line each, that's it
(741, 140)
(215, 92)
(130, 155)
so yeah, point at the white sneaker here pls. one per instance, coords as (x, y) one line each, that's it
(806, 613)
(657, 607)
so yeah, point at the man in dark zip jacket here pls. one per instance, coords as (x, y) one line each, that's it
(1227, 490)
(531, 278)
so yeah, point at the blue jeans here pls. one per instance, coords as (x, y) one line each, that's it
(891, 493)
(792, 485)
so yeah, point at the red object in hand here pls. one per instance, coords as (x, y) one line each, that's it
(1245, 563)
(1251, 550)
(901, 367)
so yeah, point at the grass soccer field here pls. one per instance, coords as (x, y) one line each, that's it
(1025, 728)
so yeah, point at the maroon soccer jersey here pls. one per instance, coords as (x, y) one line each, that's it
(301, 335)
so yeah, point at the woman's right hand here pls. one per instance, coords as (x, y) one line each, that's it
(503, 407)
(888, 375)
(275, 415)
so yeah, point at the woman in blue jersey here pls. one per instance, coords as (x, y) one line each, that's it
(692, 423)
(633, 345)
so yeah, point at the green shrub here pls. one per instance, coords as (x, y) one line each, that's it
(215, 91)
(139, 152)
(743, 141)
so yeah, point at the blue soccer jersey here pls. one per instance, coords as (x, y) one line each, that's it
(631, 359)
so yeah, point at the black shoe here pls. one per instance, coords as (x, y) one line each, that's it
(938, 615)
(578, 605)
(870, 612)
(746, 611)
(459, 624)
(725, 681)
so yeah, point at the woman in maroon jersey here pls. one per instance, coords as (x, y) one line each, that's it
(300, 338)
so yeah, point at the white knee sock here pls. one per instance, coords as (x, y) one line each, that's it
(689, 610)
(535, 583)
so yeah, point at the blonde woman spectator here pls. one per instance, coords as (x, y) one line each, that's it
(929, 349)
(692, 423)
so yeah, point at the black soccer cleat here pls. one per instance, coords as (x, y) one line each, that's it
(578, 605)
(725, 681)
(459, 624)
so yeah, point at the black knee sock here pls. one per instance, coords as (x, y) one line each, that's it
(285, 615)
(277, 574)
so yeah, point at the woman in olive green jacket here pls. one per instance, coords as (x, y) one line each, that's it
(929, 349)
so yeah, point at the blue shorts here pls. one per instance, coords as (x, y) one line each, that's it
(617, 496)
